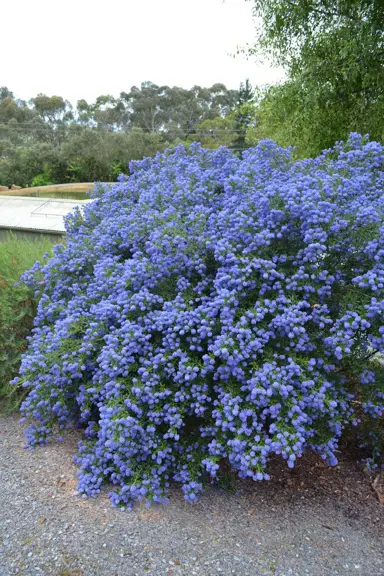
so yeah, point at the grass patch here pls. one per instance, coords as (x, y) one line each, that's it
(17, 310)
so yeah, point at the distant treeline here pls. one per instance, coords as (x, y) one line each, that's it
(47, 140)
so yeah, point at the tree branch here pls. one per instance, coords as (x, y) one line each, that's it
(372, 354)
(328, 13)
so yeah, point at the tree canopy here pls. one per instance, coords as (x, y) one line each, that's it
(49, 140)
(333, 51)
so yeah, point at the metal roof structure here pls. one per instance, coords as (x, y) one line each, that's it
(39, 215)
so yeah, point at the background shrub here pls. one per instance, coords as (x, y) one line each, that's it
(17, 309)
(42, 179)
(212, 307)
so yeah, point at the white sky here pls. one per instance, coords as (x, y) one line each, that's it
(85, 48)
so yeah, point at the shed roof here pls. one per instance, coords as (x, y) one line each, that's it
(36, 214)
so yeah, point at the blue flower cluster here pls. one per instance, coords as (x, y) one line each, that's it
(210, 309)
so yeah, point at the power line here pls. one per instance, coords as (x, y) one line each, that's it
(46, 128)
(43, 126)
(163, 133)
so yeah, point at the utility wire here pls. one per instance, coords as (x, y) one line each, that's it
(164, 133)
(46, 127)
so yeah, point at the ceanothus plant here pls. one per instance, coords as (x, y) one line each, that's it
(209, 307)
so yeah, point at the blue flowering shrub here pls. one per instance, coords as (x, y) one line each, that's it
(212, 309)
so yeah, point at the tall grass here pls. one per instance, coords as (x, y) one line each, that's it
(17, 310)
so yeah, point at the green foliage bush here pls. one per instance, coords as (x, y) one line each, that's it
(17, 310)
(42, 179)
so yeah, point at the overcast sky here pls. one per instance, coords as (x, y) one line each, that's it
(84, 48)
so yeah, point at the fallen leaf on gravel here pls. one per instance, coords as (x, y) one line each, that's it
(378, 486)
(328, 527)
(150, 515)
(75, 572)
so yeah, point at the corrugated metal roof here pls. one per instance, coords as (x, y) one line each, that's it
(36, 214)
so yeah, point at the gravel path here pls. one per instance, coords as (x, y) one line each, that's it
(315, 521)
